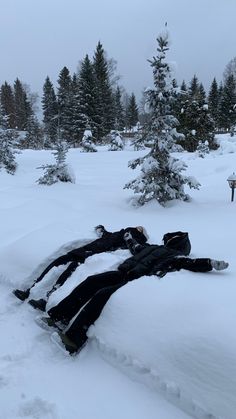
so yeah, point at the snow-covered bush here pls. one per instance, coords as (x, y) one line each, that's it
(87, 142)
(202, 149)
(116, 142)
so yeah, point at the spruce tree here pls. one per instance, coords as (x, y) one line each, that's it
(116, 142)
(87, 142)
(23, 109)
(34, 137)
(8, 106)
(161, 177)
(213, 102)
(194, 87)
(50, 112)
(195, 120)
(86, 113)
(8, 139)
(59, 171)
(132, 112)
(64, 99)
(104, 104)
(227, 106)
(119, 110)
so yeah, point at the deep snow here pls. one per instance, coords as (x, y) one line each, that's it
(161, 348)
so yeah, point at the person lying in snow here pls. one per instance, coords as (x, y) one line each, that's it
(107, 241)
(90, 296)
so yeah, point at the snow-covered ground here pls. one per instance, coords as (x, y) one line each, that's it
(161, 348)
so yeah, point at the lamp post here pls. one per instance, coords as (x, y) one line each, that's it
(232, 184)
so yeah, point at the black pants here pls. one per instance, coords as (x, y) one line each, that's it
(66, 309)
(74, 258)
(93, 293)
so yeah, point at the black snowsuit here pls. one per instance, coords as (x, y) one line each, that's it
(91, 295)
(108, 242)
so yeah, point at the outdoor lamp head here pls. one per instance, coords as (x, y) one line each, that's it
(232, 180)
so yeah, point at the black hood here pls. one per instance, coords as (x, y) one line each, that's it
(178, 240)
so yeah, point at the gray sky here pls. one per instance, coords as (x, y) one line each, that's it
(39, 37)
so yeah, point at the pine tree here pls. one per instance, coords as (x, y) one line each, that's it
(227, 106)
(34, 137)
(132, 112)
(194, 87)
(50, 112)
(8, 106)
(213, 102)
(119, 110)
(116, 142)
(64, 99)
(85, 98)
(195, 121)
(7, 150)
(202, 149)
(161, 177)
(60, 171)
(88, 141)
(104, 104)
(23, 109)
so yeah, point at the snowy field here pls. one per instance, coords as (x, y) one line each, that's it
(161, 349)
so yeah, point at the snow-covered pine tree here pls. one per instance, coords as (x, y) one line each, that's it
(116, 142)
(213, 103)
(161, 178)
(202, 148)
(195, 121)
(87, 142)
(8, 106)
(50, 112)
(8, 139)
(59, 171)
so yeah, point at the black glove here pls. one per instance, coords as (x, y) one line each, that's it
(100, 230)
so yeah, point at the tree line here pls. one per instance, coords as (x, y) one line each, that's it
(92, 99)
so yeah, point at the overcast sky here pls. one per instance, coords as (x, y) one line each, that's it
(39, 37)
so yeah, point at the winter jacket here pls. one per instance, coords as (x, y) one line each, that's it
(150, 259)
(108, 242)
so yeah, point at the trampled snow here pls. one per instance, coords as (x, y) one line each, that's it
(162, 348)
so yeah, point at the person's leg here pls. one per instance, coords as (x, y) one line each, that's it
(64, 276)
(24, 294)
(77, 332)
(66, 309)
(41, 303)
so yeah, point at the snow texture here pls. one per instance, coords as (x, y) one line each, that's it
(161, 348)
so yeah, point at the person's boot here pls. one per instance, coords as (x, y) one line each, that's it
(219, 265)
(47, 323)
(70, 346)
(38, 304)
(21, 294)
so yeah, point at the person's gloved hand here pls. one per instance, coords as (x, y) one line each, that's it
(100, 230)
